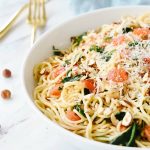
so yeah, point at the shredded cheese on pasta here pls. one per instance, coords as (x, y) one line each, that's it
(113, 65)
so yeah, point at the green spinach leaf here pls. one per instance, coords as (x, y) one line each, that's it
(127, 29)
(127, 138)
(57, 52)
(133, 43)
(76, 40)
(71, 79)
(60, 88)
(108, 55)
(78, 108)
(86, 91)
(120, 115)
(107, 39)
(69, 73)
(96, 49)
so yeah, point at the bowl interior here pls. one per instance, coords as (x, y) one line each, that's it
(60, 37)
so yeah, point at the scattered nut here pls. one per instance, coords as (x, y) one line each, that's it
(6, 73)
(120, 127)
(127, 119)
(6, 94)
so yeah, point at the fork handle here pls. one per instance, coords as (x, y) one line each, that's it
(8, 26)
(33, 34)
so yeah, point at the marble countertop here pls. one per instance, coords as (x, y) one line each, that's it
(20, 127)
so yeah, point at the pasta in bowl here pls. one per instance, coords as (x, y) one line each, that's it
(99, 87)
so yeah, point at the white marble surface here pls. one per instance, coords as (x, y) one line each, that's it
(21, 128)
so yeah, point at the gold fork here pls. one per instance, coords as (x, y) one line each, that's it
(8, 26)
(36, 16)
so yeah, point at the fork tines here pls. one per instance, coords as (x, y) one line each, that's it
(37, 14)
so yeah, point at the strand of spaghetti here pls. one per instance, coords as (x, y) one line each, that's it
(89, 126)
(140, 144)
(145, 114)
(102, 133)
(141, 116)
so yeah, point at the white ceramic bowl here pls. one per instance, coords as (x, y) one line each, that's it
(60, 37)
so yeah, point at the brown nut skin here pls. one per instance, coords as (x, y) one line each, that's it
(5, 94)
(6, 73)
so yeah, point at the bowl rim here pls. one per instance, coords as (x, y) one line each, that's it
(33, 106)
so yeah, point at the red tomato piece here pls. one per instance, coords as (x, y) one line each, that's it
(119, 40)
(72, 116)
(89, 84)
(141, 31)
(55, 91)
(147, 60)
(147, 132)
(57, 72)
(117, 75)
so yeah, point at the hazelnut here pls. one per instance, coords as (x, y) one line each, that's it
(114, 120)
(6, 73)
(127, 119)
(6, 94)
(120, 127)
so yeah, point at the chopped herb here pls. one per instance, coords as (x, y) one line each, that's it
(133, 43)
(76, 40)
(96, 48)
(120, 115)
(127, 29)
(143, 45)
(86, 91)
(127, 138)
(111, 52)
(108, 55)
(107, 58)
(71, 79)
(68, 73)
(57, 52)
(67, 62)
(107, 39)
(60, 88)
(78, 108)
(54, 48)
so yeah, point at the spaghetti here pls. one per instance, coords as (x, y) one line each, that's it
(99, 87)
